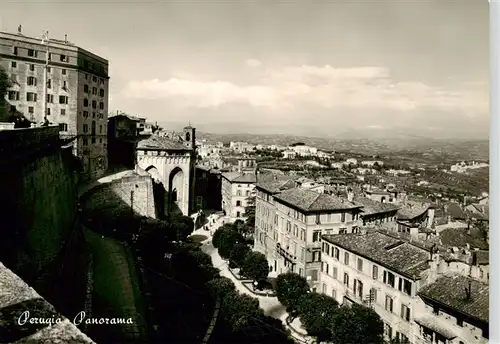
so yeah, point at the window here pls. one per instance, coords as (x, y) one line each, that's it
(85, 141)
(101, 106)
(49, 83)
(32, 67)
(85, 88)
(316, 236)
(389, 302)
(346, 280)
(13, 64)
(388, 330)
(101, 92)
(375, 272)
(94, 79)
(238, 203)
(404, 286)
(327, 249)
(63, 99)
(63, 58)
(32, 53)
(460, 321)
(360, 264)
(50, 98)
(373, 295)
(314, 275)
(49, 70)
(342, 217)
(302, 234)
(389, 278)
(316, 256)
(435, 310)
(318, 219)
(94, 104)
(93, 141)
(346, 258)
(324, 288)
(48, 111)
(13, 108)
(31, 109)
(100, 129)
(93, 128)
(334, 272)
(65, 85)
(63, 71)
(336, 254)
(50, 56)
(85, 128)
(31, 97)
(85, 114)
(15, 50)
(102, 80)
(405, 313)
(31, 81)
(94, 90)
(13, 95)
(85, 102)
(63, 127)
(63, 112)
(358, 288)
(334, 294)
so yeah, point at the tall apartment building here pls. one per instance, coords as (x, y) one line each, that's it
(289, 223)
(419, 296)
(77, 92)
(236, 189)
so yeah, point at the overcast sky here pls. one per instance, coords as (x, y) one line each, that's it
(301, 67)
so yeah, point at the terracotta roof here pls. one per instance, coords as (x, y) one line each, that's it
(156, 142)
(276, 186)
(450, 291)
(371, 207)
(459, 237)
(311, 201)
(395, 254)
(411, 210)
(237, 177)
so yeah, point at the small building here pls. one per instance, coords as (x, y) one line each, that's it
(237, 187)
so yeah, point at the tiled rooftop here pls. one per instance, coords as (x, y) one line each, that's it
(459, 237)
(450, 291)
(17, 297)
(237, 177)
(371, 207)
(310, 201)
(161, 143)
(276, 185)
(405, 259)
(411, 210)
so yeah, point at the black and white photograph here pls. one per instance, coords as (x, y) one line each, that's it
(251, 172)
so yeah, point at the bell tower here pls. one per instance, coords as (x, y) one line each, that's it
(189, 137)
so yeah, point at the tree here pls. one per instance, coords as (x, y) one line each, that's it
(240, 310)
(238, 254)
(357, 324)
(183, 226)
(250, 212)
(221, 287)
(317, 313)
(228, 239)
(255, 266)
(5, 84)
(290, 287)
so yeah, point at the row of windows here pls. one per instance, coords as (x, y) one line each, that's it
(32, 68)
(94, 115)
(86, 128)
(33, 97)
(34, 53)
(86, 89)
(94, 104)
(389, 278)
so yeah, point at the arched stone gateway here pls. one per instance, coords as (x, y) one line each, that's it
(170, 159)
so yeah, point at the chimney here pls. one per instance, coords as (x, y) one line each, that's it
(65, 38)
(19, 29)
(350, 196)
(468, 291)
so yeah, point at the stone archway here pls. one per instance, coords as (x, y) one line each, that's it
(155, 174)
(177, 189)
(159, 190)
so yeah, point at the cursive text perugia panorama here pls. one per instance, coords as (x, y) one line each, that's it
(79, 319)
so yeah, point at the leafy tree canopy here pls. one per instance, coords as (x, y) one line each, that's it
(357, 324)
(290, 287)
(255, 266)
(317, 312)
(238, 254)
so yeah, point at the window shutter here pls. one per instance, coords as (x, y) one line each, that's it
(400, 284)
(385, 276)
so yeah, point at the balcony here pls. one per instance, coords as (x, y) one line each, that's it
(285, 254)
(314, 245)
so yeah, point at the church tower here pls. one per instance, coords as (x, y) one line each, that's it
(189, 137)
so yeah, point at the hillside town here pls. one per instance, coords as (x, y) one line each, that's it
(196, 241)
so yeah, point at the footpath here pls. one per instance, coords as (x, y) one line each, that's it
(270, 304)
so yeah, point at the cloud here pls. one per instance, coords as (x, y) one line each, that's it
(360, 88)
(253, 63)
